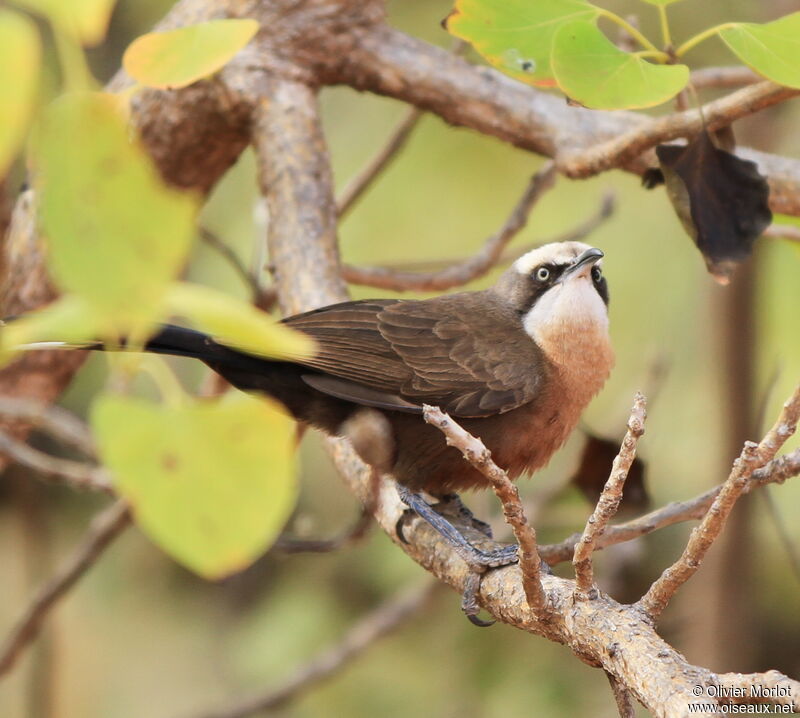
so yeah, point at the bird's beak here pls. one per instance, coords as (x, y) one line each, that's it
(582, 264)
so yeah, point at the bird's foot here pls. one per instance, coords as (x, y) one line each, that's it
(478, 560)
(453, 502)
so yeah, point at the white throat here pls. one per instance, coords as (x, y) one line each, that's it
(569, 322)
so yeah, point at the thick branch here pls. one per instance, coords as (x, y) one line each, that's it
(391, 63)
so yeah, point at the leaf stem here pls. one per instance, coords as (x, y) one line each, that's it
(630, 29)
(74, 69)
(656, 55)
(697, 39)
(665, 34)
(168, 385)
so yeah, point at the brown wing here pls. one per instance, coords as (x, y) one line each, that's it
(400, 354)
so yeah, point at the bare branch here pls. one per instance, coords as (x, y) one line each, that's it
(783, 231)
(356, 187)
(372, 627)
(468, 269)
(481, 458)
(720, 113)
(753, 456)
(608, 503)
(783, 533)
(622, 697)
(723, 77)
(225, 251)
(775, 472)
(355, 533)
(388, 62)
(102, 531)
(58, 422)
(295, 177)
(604, 210)
(778, 688)
(75, 473)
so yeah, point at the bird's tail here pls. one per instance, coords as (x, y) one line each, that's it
(174, 341)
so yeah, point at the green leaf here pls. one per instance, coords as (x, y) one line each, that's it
(516, 35)
(589, 68)
(177, 58)
(211, 482)
(660, 2)
(20, 58)
(772, 50)
(84, 20)
(116, 234)
(237, 324)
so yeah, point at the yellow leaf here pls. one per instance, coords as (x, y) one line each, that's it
(177, 58)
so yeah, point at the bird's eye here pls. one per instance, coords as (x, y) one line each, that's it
(543, 274)
(597, 273)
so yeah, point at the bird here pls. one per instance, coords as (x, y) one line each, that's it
(514, 364)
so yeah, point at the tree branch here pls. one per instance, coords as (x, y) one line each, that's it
(480, 457)
(623, 149)
(388, 62)
(776, 471)
(753, 456)
(75, 473)
(356, 187)
(103, 530)
(468, 269)
(387, 617)
(608, 503)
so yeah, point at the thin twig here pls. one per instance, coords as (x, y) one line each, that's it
(356, 532)
(723, 77)
(356, 187)
(608, 503)
(468, 269)
(775, 472)
(249, 278)
(753, 456)
(103, 530)
(75, 473)
(604, 210)
(783, 231)
(622, 697)
(375, 625)
(783, 534)
(481, 458)
(54, 420)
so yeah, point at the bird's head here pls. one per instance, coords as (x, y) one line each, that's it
(560, 294)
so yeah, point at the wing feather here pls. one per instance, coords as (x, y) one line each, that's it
(399, 354)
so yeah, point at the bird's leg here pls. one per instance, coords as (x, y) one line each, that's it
(477, 559)
(463, 512)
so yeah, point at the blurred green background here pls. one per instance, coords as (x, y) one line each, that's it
(140, 636)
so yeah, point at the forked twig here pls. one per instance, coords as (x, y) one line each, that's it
(481, 458)
(753, 456)
(609, 500)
